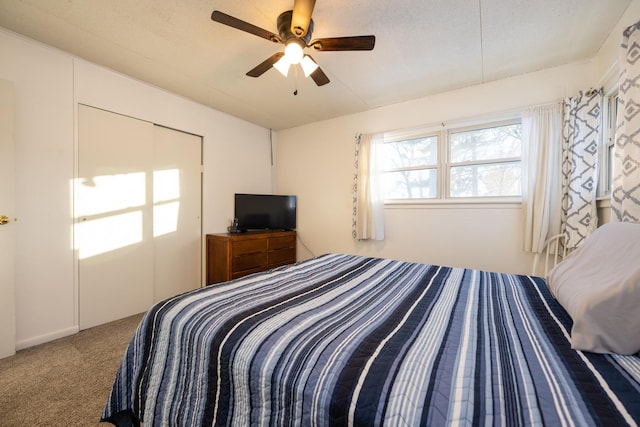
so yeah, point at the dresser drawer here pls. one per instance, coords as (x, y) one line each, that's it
(281, 257)
(282, 242)
(252, 261)
(249, 246)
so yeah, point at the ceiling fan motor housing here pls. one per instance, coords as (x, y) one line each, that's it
(284, 28)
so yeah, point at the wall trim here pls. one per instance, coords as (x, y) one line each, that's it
(41, 339)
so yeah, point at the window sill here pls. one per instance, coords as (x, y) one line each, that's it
(461, 203)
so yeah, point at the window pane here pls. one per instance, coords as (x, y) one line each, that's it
(489, 180)
(413, 184)
(492, 143)
(409, 153)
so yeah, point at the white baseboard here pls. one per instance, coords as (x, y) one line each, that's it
(20, 345)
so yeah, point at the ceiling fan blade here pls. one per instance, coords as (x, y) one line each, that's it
(344, 43)
(302, 10)
(241, 25)
(319, 77)
(264, 66)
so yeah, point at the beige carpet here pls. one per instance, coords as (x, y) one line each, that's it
(65, 382)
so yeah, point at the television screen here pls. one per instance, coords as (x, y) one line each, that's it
(265, 212)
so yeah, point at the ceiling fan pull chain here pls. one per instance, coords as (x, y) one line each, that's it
(295, 71)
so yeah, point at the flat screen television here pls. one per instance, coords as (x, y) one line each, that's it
(265, 212)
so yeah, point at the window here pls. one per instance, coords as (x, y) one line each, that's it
(410, 168)
(485, 161)
(608, 144)
(471, 162)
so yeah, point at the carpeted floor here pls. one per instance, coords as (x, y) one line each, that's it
(65, 382)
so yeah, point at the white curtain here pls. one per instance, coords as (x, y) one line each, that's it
(541, 138)
(368, 203)
(580, 142)
(625, 194)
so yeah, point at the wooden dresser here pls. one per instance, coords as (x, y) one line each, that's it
(233, 255)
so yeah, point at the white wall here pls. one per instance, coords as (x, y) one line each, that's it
(49, 84)
(316, 162)
(607, 57)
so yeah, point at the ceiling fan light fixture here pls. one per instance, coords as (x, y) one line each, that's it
(295, 29)
(308, 65)
(293, 51)
(283, 65)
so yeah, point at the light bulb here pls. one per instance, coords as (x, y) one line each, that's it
(308, 65)
(283, 65)
(293, 51)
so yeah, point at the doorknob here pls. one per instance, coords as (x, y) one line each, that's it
(4, 219)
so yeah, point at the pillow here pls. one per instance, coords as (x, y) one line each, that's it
(599, 286)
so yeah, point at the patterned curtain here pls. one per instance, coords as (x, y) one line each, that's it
(368, 204)
(625, 194)
(580, 140)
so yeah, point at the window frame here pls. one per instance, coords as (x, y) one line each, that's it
(610, 106)
(444, 165)
(402, 137)
(507, 160)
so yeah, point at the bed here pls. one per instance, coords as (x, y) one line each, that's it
(351, 340)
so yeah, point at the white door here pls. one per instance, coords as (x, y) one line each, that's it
(7, 228)
(114, 229)
(177, 196)
(138, 230)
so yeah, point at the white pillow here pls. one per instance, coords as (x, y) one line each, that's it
(599, 286)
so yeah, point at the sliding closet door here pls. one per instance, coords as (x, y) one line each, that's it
(114, 229)
(138, 229)
(176, 212)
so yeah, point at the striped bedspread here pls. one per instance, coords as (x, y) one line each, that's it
(350, 340)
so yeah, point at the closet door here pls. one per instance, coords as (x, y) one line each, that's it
(114, 228)
(177, 196)
(7, 226)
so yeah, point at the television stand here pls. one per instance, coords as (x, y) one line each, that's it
(234, 255)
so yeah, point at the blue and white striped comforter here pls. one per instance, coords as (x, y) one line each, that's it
(350, 340)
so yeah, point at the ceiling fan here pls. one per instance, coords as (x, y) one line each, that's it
(294, 31)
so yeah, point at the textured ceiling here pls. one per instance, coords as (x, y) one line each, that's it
(422, 47)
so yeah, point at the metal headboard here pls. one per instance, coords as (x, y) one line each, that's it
(555, 250)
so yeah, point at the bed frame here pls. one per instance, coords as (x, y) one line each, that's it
(555, 250)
